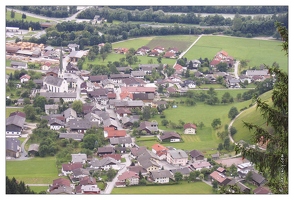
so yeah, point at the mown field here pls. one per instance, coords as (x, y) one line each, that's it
(251, 115)
(33, 171)
(11, 110)
(256, 51)
(18, 16)
(182, 188)
(38, 189)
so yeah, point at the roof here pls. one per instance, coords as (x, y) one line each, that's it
(119, 76)
(201, 164)
(161, 174)
(257, 72)
(177, 154)
(121, 140)
(158, 147)
(53, 70)
(79, 124)
(51, 106)
(194, 153)
(80, 157)
(137, 169)
(116, 133)
(55, 121)
(189, 125)
(80, 171)
(12, 144)
(105, 150)
(261, 190)
(136, 151)
(257, 177)
(167, 135)
(138, 89)
(71, 166)
(221, 169)
(239, 184)
(218, 177)
(34, 147)
(53, 80)
(59, 94)
(127, 175)
(98, 78)
(133, 81)
(70, 112)
(143, 96)
(15, 120)
(76, 54)
(87, 180)
(21, 114)
(138, 73)
(184, 171)
(26, 76)
(103, 162)
(18, 63)
(114, 156)
(75, 136)
(151, 126)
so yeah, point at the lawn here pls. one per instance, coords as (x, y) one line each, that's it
(256, 51)
(182, 188)
(33, 171)
(18, 16)
(133, 43)
(250, 115)
(38, 189)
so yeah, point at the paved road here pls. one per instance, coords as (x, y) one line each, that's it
(236, 69)
(110, 185)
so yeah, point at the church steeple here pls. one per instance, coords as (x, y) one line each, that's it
(60, 74)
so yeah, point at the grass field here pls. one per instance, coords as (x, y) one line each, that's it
(33, 171)
(256, 51)
(181, 188)
(18, 16)
(133, 43)
(251, 115)
(38, 189)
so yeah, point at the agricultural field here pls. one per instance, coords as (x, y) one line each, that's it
(11, 110)
(18, 16)
(33, 171)
(182, 188)
(38, 189)
(251, 115)
(256, 51)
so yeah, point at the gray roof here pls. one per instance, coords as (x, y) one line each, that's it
(12, 144)
(15, 120)
(75, 136)
(58, 94)
(135, 103)
(146, 159)
(53, 69)
(161, 174)
(91, 116)
(194, 153)
(51, 106)
(79, 124)
(143, 96)
(108, 122)
(103, 162)
(80, 171)
(34, 147)
(151, 126)
(106, 81)
(76, 54)
(80, 157)
(239, 184)
(176, 154)
(257, 177)
(55, 121)
(119, 76)
(97, 78)
(257, 72)
(120, 140)
(138, 73)
(70, 112)
(53, 80)
(184, 171)
(18, 63)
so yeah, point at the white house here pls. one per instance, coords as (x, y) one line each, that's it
(25, 78)
(161, 176)
(55, 84)
(189, 128)
(177, 157)
(55, 124)
(129, 176)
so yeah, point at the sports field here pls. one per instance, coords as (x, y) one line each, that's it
(255, 50)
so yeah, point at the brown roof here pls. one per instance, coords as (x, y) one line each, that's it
(61, 181)
(21, 114)
(219, 177)
(116, 133)
(127, 175)
(71, 166)
(111, 95)
(87, 180)
(220, 169)
(261, 190)
(114, 156)
(137, 169)
(189, 125)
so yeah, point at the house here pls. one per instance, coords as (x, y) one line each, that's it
(79, 125)
(184, 171)
(219, 178)
(257, 179)
(78, 173)
(87, 189)
(33, 149)
(171, 90)
(18, 113)
(109, 122)
(251, 73)
(159, 49)
(14, 125)
(66, 97)
(55, 124)
(221, 170)
(147, 68)
(161, 176)
(61, 186)
(142, 51)
(74, 56)
(55, 84)
(105, 164)
(138, 169)
(153, 53)
(159, 150)
(198, 165)
(52, 71)
(170, 55)
(73, 47)
(79, 158)
(189, 128)
(74, 136)
(67, 168)
(127, 178)
(243, 188)
(233, 82)
(116, 157)
(196, 155)
(94, 119)
(261, 190)
(13, 148)
(123, 112)
(129, 121)
(195, 64)
(105, 150)
(107, 84)
(177, 157)
(129, 104)
(215, 156)
(137, 151)
(69, 114)
(138, 74)
(118, 78)
(147, 98)
(19, 65)
(25, 78)
(189, 84)
(87, 180)
(169, 137)
(51, 109)
(244, 168)
(97, 78)
(149, 127)
(147, 159)
(122, 141)
(111, 132)
(71, 68)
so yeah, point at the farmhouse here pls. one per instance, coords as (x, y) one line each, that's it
(196, 155)
(14, 125)
(33, 149)
(128, 178)
(219, 178)
(18, 65)
(189, 128)
(161, 176)
(169, 137)
(13, 148)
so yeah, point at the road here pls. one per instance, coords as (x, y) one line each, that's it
(110, 185)
(236, 69)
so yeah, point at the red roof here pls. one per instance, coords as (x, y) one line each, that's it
(125, 94)
(169, 54)
(215, 62)
(127, 175)
(26, 76)
(224, 53)
(116, 133)
(111, 95)
(220, 169)
(178, 67)
(218, 177)
(71, 166)
(61, 181)
(189, 125)
(159, 147)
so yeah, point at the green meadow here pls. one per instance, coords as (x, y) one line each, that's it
(182, 188)
(38, 189)
(11, 110)
(251, 115)
(18, 16)
(256, 51)
(33, 171)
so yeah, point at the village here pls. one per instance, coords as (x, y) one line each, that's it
(112, 103)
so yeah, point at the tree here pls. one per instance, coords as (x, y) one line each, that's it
(40, 102)
(220, 146)
(77, 105)
(222, 67)
(15, 187)
(89, 141)
(227, 143)
(111, 174)
(30, 112)
(226, 97)
(23, 16)
(214, 185)
(103, 56)
(233, 112)
(12, 14)
(274, 160)
(233, 130)
(146, 113)
(178, 176)
(216, 123)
